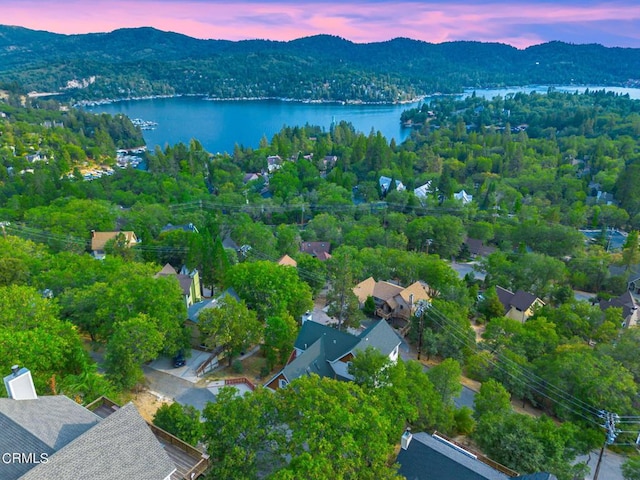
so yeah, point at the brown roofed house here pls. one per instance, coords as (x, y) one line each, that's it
(393, 301)
(100, 239)
(287, 261)
(320, 250)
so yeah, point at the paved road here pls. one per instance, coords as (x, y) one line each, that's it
(610, 469)
(182, 391)
(466, 397)
(467, 267)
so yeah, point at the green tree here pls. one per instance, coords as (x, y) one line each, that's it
(243, 434)
(343, 303)
(183, 421)
(370, 368)
(446, 380)
(312, 271)
(279, 336)
(631, 250)
(492, 398)
(270, 289)
(231, 326)
(631, 468)
(32, 335)
(490, 305)
(133, 342)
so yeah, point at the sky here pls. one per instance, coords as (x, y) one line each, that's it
(514, 22)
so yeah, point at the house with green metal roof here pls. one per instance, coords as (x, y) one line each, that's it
(325, 351)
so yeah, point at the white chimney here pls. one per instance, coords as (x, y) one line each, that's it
(19, 384)
(405, 440)
(308, 315)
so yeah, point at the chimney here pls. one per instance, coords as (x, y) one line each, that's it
(19, 384)
(308, 315)
(405, 440)
(410, 301)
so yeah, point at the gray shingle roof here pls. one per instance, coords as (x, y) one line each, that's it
(119, 447)
(193, 312)
(43, 425)
(312, 360)
(521, 300)
(379, 335)
(430, 459)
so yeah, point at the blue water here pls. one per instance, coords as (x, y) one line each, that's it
(219, 125)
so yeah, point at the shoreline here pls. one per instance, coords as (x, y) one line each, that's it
(107, 101)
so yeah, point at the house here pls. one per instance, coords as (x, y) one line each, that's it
(328, 162)
(320, 250)
(194, 311)
(36, 157)
(629, 306)
(189, 282)
(477, 248)
(520, 305)
(393, 301)
(287, 261)
(100, 239)
(423, 191)
(55, 438)
(435, 457)
(189, 227)
(463, 197)
(274, 162)
(631, 274)
(250, 177)
(327, 352)
(385, 185)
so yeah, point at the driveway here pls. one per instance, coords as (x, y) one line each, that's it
(178, 389)
(186, 372)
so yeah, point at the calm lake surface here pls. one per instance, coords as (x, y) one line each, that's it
(219, 125)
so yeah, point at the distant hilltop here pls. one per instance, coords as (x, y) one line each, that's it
(139, 62)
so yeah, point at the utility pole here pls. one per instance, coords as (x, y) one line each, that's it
(3, 225)
(429, 242)
(421, 308)
(610, 422)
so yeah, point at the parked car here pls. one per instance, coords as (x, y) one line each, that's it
(179, 360)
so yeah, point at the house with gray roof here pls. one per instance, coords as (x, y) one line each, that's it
(325, 351)
(194, 311)
(55, 438)
(435, 457)
(520, 305)
(385, 185)
(629, 306)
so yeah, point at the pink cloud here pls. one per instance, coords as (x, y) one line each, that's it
(519, 24)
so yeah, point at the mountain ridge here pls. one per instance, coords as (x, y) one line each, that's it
(143, 61)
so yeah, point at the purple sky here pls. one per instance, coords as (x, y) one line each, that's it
(516, 22)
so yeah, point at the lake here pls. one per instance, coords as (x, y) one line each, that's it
(219, 125)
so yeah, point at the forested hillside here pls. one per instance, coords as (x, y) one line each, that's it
(145, 61)
(534, 168)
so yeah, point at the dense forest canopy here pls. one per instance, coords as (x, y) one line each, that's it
(535, 168)
(144, 61)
